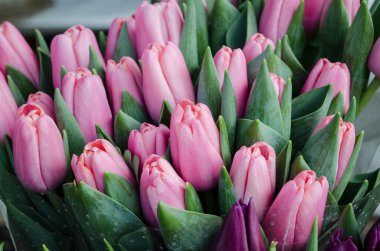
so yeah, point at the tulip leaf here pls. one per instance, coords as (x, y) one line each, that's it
(242, 27)
(264, 103)
(348, 222)
(133, 162)
(355, 190)
(350, 115)
(102, 134)
(277, 49)
(337, 105)
(283, 166)
(6, 163)
(307, 110)
(339, 189)
(373, 178)
(331, 215)
(273, 246)
(102, 41)
(186, 230)
(124, 45)
(165, 113)
(357, 49)
(365, 207)
(108, 245)
(298, 165)
(41, 42)
(226, 192)
(69, 172)
(253, 131)
(188, 42)
(222, 17)
(23, 83)
(16, 93)
(8, 147)
(334, 31)
(192, 200)
(2, 246)
(95, 63)
(98, 215)
(123, 126)
(296, 33)
(312, 244)
(321, 151)
(368, 94)
(228, 110)
(224, 141)
(46, 80)
(140, 240)
(375, 11)
(209, 86)
(130, 106)
(286, 109)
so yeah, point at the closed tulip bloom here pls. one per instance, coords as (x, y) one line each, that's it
(372, 240)
(352, 7)
(336, 74)
(114, 32)
(86, 98)
(346, 144)
(165, 77)
(99, 157)
(312, 15)
(290, 218)
(44, 101)
(123, 76)
(72, 50)
(8, 109)
(253, 174)
(158, 23)
(256, 45)
(276, 17)
(160, 183)
(339, 243)
(374, 59)
(39, 156)
(149, 140)
(241, 229)
(15, 51)
(195, 145)
(234, 62)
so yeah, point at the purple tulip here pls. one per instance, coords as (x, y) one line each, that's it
(44, 101)
(374, 59)
(86, 98)
(352, 7)
(312, 15)
(39, 156)
(256, 45)
(338, 243)
(372, 240)
(8, 109)
(241, 229)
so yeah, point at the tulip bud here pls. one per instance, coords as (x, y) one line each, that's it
(374, 59)
(336, 74)
(8, 109)
(352, 7)
(256, 45)
(233, 62)
(372, 240)
(195, 145)
(149, 140)
(39, 156)
(338, 243)
(158, 23)
(86, 98)
(160, 183)
(253, 174)
(114, 31)
(99, 157)
(241, 229)
(290, 218)
(165, 77)
(15, 51)
(72, 50)
(312, 15)
(346, 144)
(44, 101)
(276, 17)
(123, 76)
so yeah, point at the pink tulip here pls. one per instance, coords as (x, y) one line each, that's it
(253, 173)
(86, 98)
(149, 140)
(165, 77)
(72, 50)
(346, 144)
(158, 23)
(195, 145)
(290, 218)
(39, 156)
(256, 45)
(374, 59)
(276, 17)
(352, 7)
(8, 109)
(160, 183)
(114, 31)
(312, 15)
(15, 51)
(123, 76)
(99, 157)
(336, 74)
(233, 62)
(44, 101)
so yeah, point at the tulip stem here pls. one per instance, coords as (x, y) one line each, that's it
(368, 94)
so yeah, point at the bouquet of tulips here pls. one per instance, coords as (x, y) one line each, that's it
(193, 125)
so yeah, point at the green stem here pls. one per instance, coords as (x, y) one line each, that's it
(368, 94)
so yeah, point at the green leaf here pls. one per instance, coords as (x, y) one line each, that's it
(124, 45)
(202, 29)
(102, 41)
(108, 245)
(264, 103)
(23, 83)
(286, 110)
(124, 124)
(140, 240)
(69, 172)
(209, 86)
(192, 200)
(165, 113)
(296, 32)
(224, 142)
(368, 94)
(96, 63)
(46, 80)
(133, 163)
(350, 115)
(299, 165)
(63, 72)
(273, 246)
(283, 165)
(186, 230)
(331, 215)
(16, 93)
(348, 222)
(242, 27)
(258, 5)
(130, 106)
(355, 190)
(337, 105)
(277, 49)
(312, 244)
(373, 178)
(357, 49)
(365, 207)
(228, 110)
(102, 134)
(41, 42)
(226, 192)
